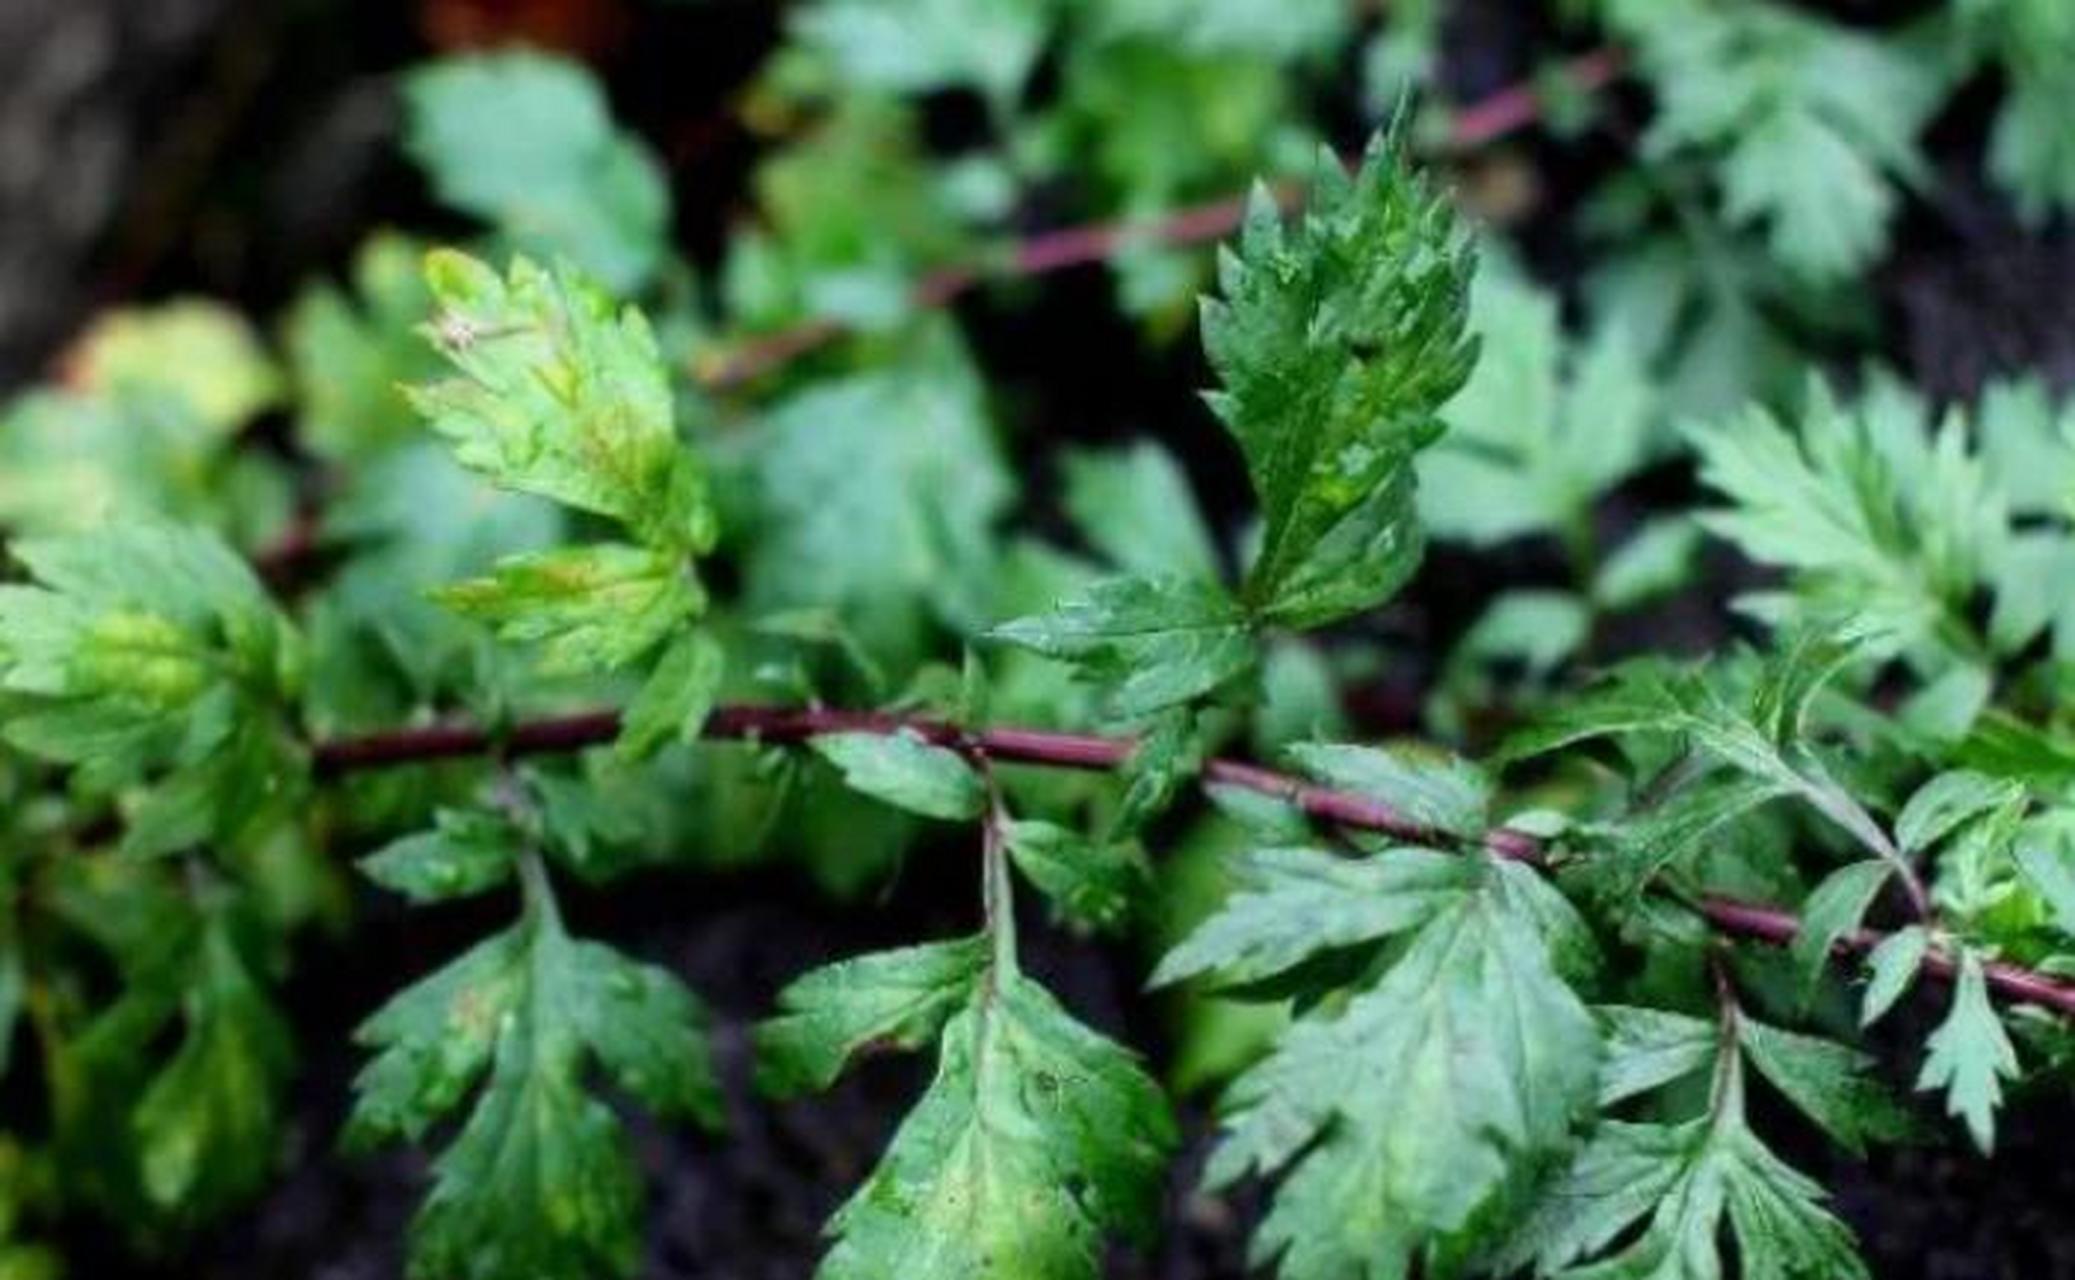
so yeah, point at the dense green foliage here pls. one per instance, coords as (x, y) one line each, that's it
(1481, 1010)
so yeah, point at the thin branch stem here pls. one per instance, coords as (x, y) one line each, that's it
(781, 726)
(1483, 122)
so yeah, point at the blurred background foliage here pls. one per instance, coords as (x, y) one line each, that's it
(1692, 213)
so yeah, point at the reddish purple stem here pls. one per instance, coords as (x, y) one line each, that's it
(1483, 122)
(787, 725)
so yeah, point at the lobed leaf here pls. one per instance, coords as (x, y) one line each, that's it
(559, 395)
(526, 142)
(907, 772)
(1336, 341)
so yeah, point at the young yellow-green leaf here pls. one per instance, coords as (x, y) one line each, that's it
(1836, 907)
(1336, 340)
(152, 646)
(1970, 1054)
(540, 1180)
(676, 698)
(1094, 883)
(526, 142)
(1151, 643)
(1441, 792)
(560, 395)
(900, 998)
(590, 608)
(1406, 1118)
(464, 853)
(907, 772)
(193, 350)
(1037, 1138)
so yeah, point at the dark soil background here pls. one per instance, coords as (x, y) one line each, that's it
(235, 147)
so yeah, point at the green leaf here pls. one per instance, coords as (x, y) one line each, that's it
(1540, 630)
(1097, 883)
(152, 646)
(1153, 643)
(1879, 519)
(559, 395)
(1036, 1138)
(526, 142)
(1670, 835)
(1647, 1049)
(465, 853)
(2045, 858)
(1836, 908)
(907, 773)
(1686, 1179)
(352, 355)
(850, 212)
(1645, 696)
(1258, 27)
(1830, 1084)
(1134, 505)
(1946, 803)
(1655, 561)
(1336, 341)
(2029, 154)
(1811, 123)
(1167, 756)
(207, 1126)
(677, 697)
(877, 495)
(989, 46)
(647, 1031)
(898, 998)
(540, 1180)
(1406, 1118)
(1293, 904)
(1762, 740)
(1440, 792)
(73, 461)
(593, 608)
(1970, 1054)
(1539, 432)
(1678, 1182)
(1894, 965)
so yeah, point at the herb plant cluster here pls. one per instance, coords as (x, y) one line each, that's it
(581, 562)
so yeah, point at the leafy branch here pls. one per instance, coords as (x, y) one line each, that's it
(1340, 807)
